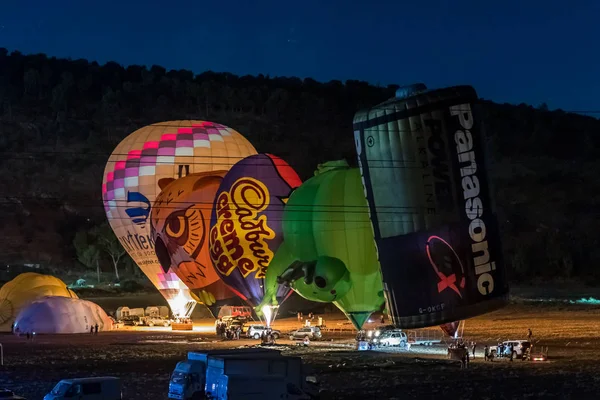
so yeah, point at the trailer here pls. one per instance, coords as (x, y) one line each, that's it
(268, 376)
(125, 312)
(188, 380)
(157, 311)
(537, 356)
(425, 337)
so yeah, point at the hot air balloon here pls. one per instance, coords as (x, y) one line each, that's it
(246, 226)
(423, 169)
(451, 328)
(163, 150)
(180, 222)
(328, 253)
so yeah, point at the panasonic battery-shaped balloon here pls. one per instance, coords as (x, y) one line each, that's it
(423, 170)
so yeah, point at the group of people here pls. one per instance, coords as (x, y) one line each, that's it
(461, 350)
(94, 329)
(267, 337)
(461, 344)
(231, 332)
(311, 316)
(18, 332)
(502, 350)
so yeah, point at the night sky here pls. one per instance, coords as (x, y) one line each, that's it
(514, 51)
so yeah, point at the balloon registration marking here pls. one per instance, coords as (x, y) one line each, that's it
(446, 281)
(237, 211)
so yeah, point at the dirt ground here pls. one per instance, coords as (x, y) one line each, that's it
(144, 359)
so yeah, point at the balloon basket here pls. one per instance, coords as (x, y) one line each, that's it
(182, 326)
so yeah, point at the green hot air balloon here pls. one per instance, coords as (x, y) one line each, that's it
(328, 253)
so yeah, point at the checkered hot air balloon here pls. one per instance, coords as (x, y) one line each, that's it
(165, 150)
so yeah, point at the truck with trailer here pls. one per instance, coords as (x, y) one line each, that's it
(269, 376)
(390, 336)
(239, 373)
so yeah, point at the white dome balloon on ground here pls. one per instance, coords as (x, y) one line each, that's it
(25, 288)
(61, 315)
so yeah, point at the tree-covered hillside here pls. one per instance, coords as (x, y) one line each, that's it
(60, 120)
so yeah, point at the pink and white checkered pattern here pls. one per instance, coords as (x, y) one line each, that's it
(183, 143)
(158, 151)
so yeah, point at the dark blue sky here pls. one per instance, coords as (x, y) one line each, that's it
(530, 51)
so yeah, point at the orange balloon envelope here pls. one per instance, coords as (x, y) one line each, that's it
(180, 222)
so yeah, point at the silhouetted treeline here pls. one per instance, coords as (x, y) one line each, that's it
(60, 119)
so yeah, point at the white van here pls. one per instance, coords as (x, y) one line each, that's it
(100, 388)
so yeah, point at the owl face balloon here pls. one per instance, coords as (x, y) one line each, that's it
(246, 223)
(180, 223)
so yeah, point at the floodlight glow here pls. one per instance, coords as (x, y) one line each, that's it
(269, 313)
(182, 304)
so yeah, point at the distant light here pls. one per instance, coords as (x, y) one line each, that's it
(203, 329)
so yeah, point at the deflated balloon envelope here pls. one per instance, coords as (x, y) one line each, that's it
(246, 223)
(25, 288)
(423, 169)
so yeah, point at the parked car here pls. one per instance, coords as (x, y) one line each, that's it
(132, 320)
(519, 348)
(391, 338)
(156, 321)
(255, 332)
(312, 332)
(379, 330)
